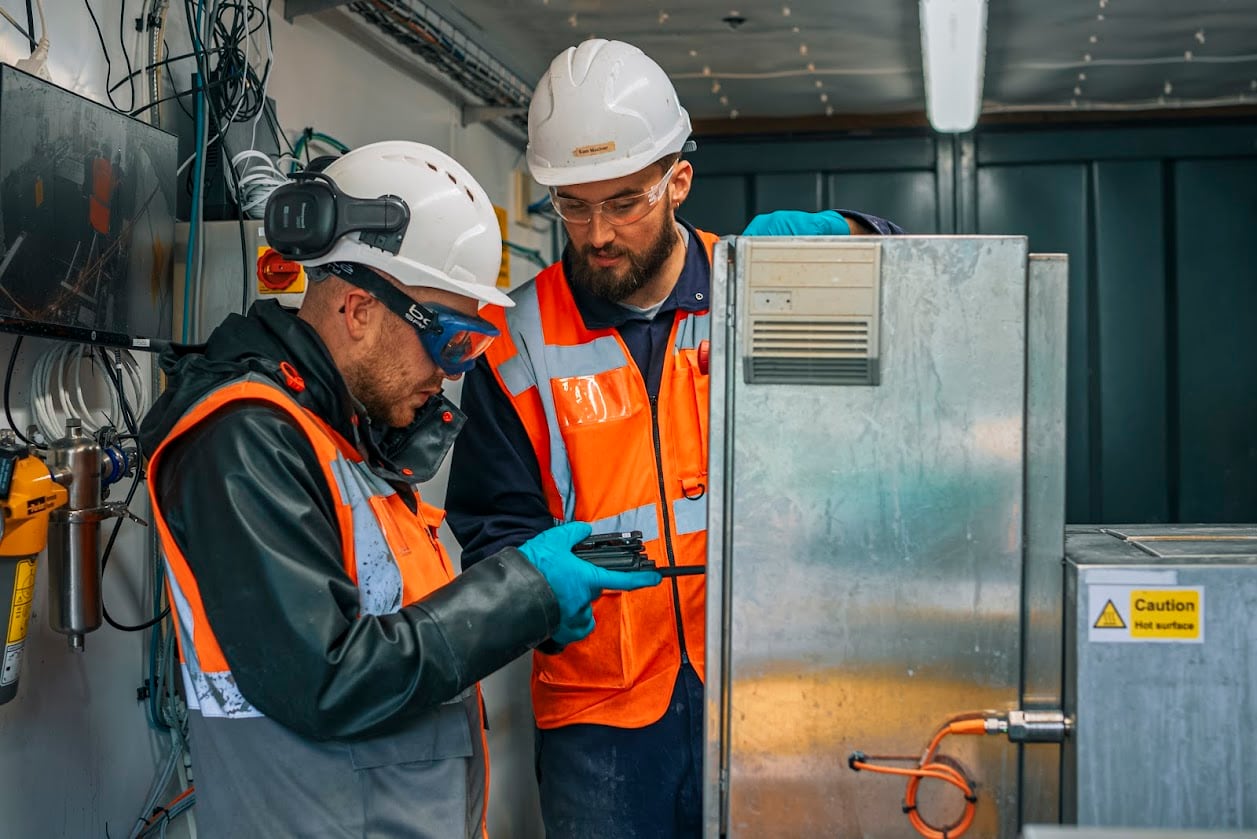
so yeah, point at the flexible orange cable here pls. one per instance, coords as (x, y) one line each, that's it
(927, 767)
(172, 802)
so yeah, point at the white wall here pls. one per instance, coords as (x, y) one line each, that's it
(76, 753)
(75, 750)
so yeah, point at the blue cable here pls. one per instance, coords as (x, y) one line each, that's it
(198, 175)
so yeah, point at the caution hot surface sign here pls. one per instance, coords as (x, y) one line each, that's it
(1126, 614)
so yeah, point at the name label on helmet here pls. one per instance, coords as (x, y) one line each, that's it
(596, 148)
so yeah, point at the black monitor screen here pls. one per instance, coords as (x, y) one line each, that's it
(87, 204)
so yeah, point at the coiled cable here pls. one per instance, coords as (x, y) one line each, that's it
(60, 388)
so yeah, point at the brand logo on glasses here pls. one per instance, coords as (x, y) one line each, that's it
(416, 316)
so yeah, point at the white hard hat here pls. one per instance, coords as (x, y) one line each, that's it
(452, 241)
(603, 110)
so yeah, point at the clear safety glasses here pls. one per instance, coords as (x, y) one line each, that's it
(620, 211)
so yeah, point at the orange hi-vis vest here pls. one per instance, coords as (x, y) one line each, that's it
(610, 457)
(390, 553)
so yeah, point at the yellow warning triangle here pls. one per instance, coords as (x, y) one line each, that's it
(1109, 618)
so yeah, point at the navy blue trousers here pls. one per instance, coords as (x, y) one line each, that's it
(600, 782)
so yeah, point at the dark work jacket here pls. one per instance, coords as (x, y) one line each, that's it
(372, 724)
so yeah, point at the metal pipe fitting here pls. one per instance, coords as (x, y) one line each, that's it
(1032, 726)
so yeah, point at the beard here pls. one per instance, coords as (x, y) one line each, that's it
(642, 268)
(385, 389)
(378, 399)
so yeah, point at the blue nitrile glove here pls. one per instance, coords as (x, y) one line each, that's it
(577, 583)
(798, 223)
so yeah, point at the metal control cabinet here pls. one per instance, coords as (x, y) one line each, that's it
(1161, 671)
(231, 280)
(886, 525)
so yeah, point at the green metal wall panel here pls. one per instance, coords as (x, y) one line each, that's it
(1049, 204)
(791, 191)
(1129, 348)
(909, 198)
(718, 203)
(1162, 414)
(1215, 211)
(1116, 143)
(732, 156)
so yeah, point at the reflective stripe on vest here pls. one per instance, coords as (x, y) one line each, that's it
(561, 363)
(583, 403)
(565, 367)
(391, 554)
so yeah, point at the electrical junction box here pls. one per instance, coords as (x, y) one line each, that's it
(231, 280)
(1160, 626)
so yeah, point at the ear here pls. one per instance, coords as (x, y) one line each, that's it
(358, 309)
(679, 188)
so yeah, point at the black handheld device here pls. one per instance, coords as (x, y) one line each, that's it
(624, 551)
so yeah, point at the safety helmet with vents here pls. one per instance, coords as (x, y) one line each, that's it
(603, 110)
(452, 241)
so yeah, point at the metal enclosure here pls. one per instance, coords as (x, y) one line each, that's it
(75, 605)
(868, 561)
(1165, 698)
(229, 277)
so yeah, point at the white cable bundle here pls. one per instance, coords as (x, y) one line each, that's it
(57, 389)
(257, 176)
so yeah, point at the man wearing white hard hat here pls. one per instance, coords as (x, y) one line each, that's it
(592, 406)
(330, 655)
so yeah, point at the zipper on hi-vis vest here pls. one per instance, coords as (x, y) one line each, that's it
(667, 524)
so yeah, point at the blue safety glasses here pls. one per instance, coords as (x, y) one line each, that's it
(453, 339)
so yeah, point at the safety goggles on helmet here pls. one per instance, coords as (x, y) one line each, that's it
(619, 211)
(453, 339)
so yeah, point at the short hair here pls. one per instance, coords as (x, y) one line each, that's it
(668, 161)
(317, 273)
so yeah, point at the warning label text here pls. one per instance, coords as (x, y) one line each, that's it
(1165, 613)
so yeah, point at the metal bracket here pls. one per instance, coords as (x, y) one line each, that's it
(92, 515)
(473, 114)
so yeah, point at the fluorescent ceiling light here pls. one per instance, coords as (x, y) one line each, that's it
(953, 52)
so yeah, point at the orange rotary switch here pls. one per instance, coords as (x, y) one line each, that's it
(276, 273)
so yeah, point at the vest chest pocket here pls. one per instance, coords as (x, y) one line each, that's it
(602, 660)
(689, 394)
(596, 398)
